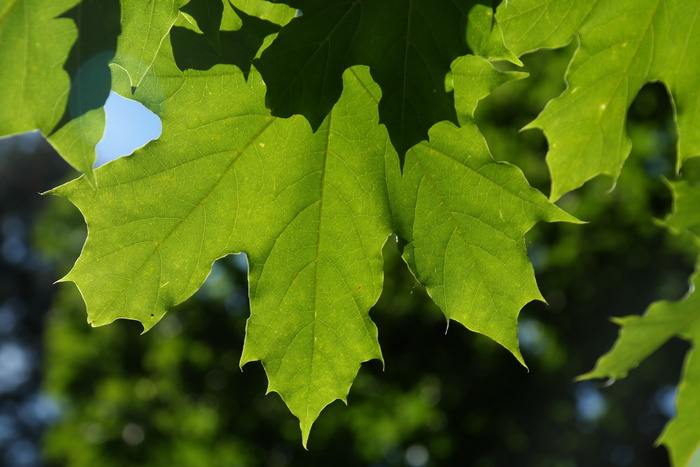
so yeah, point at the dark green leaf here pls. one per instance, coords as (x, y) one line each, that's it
(409, 47)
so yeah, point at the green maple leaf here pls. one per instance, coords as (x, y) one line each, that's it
(685, 216)
(650, 41)
(312, 210)
(469, 253)
(308, 209)
(642, 335)
(473, 78)
(409, 47)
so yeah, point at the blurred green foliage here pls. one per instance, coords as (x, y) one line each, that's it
(176, 395)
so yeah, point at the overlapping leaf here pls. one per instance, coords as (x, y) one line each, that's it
(642, 335)
(32, 52)
(685, 217)
(529, 25)
(623, 46)
(52, 82)
(202, 51)
(677, 64)
(145, 25)
(408, 46)
(473, 78)
(277, 13)
(83, 121)
(312, 293)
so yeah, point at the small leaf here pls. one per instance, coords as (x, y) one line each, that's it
(485, 37)
(472, 79)
(277, 13)
(77, 139)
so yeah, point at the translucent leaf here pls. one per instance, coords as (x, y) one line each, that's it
(529, 25)
(63, 84)
(145, 25)
(312, 212)
(640, 336)
(485, 37)
(682, 434)
(466, 244)
(279, 14)
(472, 79)
(311, 295)
(34, 44)
(77, 139)
(677, 64)
(585, 126)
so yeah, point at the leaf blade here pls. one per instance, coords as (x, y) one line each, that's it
(472, 259)
(585, 125)
(345, 229)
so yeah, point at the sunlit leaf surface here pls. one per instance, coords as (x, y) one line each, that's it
(623, 46)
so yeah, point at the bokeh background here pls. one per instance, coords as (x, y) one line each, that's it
(72, 395)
